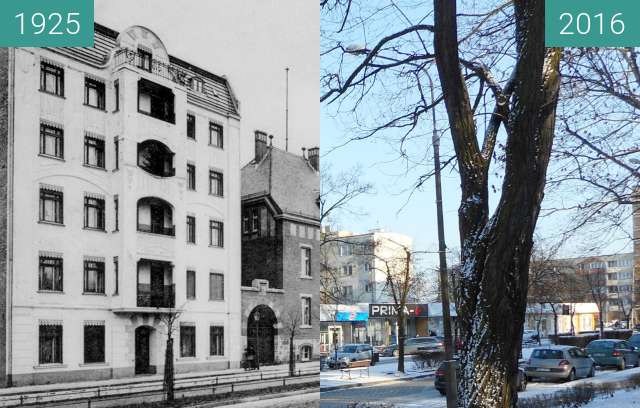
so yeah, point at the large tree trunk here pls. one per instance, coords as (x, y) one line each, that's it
(496, 251)
(292, 355)
(401, 338)
(169, 380)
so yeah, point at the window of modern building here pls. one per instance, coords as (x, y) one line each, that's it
(345, 250)
(156, 100)
(93, 276)
(216, 286)
(187, 341)
(116, 275)
(347, 292)
(191, 126)
(216, 340)
(50, 275)
(347, 270)
(94, 343)
(216, 185)
(197, 84)
(50, 344)
(94, 212)
(94, 93)
(216, 234)
(51, 141)
(116, 91)
(116, 213)
(191, 176)
(145, 59)
(306, 311)
(305, 258)
(94, 151)
(191, 229)
(51, 79)
(191, 284)
(216, 137)
(51, 206)
(116, 153)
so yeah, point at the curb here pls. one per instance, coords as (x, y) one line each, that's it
(235, 402)
(385, 381)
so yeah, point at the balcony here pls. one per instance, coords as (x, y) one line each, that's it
(158, 297)
(156, 101)
(155, 216)
(159, 68)
(156, 158)
(158, 229)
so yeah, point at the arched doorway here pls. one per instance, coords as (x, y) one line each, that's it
(261, 333)
(143, 352)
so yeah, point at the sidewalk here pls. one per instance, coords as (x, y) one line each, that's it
(30, 389)
(382, 372)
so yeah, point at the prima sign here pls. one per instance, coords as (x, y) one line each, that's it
(388, 310)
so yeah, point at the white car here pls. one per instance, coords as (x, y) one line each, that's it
(349, 353)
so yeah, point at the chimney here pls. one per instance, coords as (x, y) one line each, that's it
(314, 158)
(261, 145)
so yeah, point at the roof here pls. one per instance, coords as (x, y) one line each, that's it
(288, 179)
(218, 95)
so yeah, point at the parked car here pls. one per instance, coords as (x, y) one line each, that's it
(613, 352)
(441, 380)
(559, 363)
(416, 344)
(390, 351)
(529, 336)
(348, 353)
(634, 340)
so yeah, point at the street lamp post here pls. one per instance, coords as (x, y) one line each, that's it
(256, 317)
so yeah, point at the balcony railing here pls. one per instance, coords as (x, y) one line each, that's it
(164, 297)
(158, 229)
(159, 68)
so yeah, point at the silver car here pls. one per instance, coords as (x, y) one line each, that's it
(416, 344)
(559, 363)
(348, 353)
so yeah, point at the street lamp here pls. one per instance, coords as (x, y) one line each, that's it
(256, 317)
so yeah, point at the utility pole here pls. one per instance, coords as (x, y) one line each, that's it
(452, 384)
(286, 111)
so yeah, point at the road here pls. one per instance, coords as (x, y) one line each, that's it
(399, 392)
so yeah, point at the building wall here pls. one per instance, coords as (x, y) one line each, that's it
(5, 84)
(130, 183)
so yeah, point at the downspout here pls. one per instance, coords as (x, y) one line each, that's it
(9, 213)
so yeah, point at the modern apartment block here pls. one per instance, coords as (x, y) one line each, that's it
(280, 253)
(120, 176)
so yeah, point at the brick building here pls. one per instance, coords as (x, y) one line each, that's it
(280, 252)
(120, 194)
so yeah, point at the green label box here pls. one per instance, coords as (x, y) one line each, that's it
(46, 23)
(592, 23)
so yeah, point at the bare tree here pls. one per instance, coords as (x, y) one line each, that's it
(169, 319)
(595, 280)
(339, 190)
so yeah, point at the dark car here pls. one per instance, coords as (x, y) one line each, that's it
(612, 352)
(441, 380)
(635, 340)
(390, 351)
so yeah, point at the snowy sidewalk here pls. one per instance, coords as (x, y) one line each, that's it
(383, 371)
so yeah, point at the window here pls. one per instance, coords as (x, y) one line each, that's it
(305, 255)
(191, 284)
(187, 341)
(345, 250)
(216, 341)
(245, 224)
(191, 229)
(93, 344)
(50, 344)
(347, 270)
(116, 210)
(94, 93)
(144, 59)
(306, 311)
(116, 153)
(305, 353)
(216, 186)
(216, 286)
(255, 220)
(94, 152)
(116, 91)
(51, 141)
(347, 291)
(94, 213)
(50, 277)
(191, 177)
(197, 85)
(51, 79)
(156, 101)
(51, 206)
(215, 135)
(191, 126)
(93, 276)
(116, 273)
(216, 234)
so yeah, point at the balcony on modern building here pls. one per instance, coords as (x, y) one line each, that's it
(155, 284)
(156, 101)
(155, 216)
(156, 158)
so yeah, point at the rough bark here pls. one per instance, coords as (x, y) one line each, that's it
(292, 355)
(496, 251)
(169, 382)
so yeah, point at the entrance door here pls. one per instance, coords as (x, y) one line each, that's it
(142, 350)
(261, 333)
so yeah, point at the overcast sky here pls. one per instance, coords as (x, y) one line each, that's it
(249, 41)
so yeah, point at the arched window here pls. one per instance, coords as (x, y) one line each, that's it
(155, 216)
(156, 158)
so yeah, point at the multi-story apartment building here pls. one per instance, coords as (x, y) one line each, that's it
(120, 188)
(280, 253)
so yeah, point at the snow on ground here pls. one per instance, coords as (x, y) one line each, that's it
(384, 370)
(621, 399)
